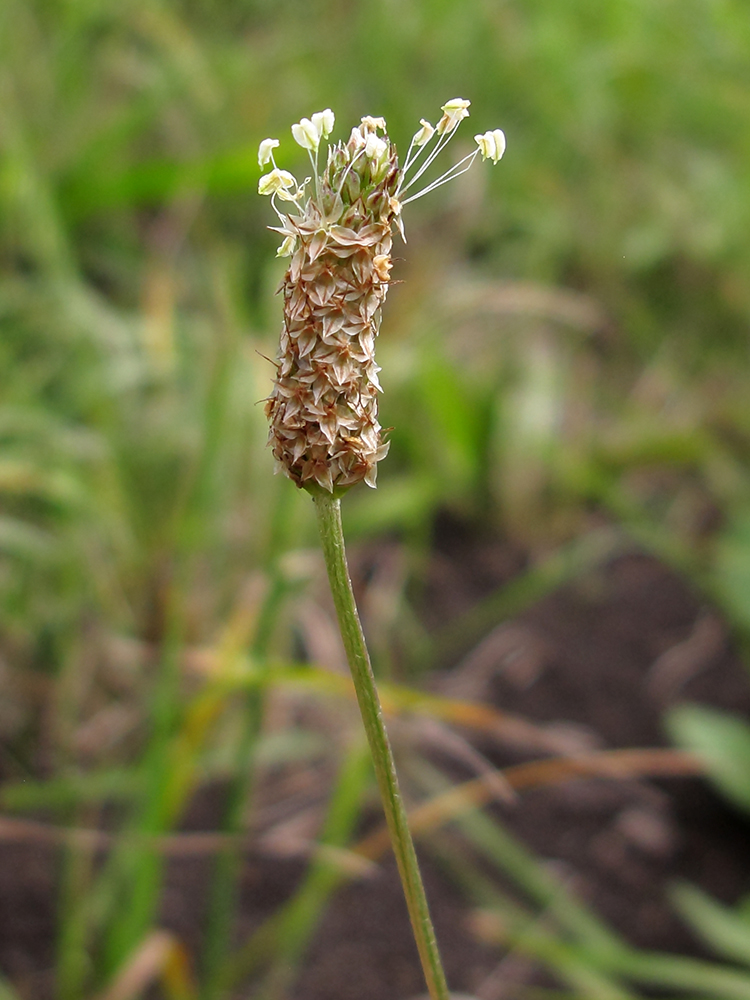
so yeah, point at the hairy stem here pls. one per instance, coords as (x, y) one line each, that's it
(332, 539)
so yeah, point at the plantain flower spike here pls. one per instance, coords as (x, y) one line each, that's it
(337, 234)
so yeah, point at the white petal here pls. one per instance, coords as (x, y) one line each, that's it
(424, 134)
(491, 144)
(276, 183)
(265, 151)
(306, 134)
(324, 122)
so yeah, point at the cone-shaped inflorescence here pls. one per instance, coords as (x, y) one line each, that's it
(323, 409)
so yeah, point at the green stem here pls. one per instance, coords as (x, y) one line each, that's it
(332, 539)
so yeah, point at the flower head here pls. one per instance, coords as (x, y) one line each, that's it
(323, 409)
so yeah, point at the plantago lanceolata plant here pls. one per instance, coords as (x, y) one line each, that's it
(337, 228)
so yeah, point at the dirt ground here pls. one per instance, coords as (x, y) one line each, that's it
(598, 661)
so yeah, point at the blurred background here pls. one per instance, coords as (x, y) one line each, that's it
(566, 505)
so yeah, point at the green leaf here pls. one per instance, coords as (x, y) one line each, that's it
(732, 569)
(722, 740)
(727, 931)
(6, 990)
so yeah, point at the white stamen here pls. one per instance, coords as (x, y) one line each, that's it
(449, 175)
(265, 151)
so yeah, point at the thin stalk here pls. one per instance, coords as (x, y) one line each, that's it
(332, 538)
(449, 175)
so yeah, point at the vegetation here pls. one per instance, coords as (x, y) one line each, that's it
(570, 339)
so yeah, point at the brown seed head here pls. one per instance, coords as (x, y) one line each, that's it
(323, 409)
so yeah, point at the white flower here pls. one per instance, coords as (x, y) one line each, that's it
(324, 122)
(287, 248)
(356, 140)
(337, 239)
(370, 124)
(277, 182)
(306, 134)
(265, 151)
(491, 144)
(453, 113)
(375, 147)
(382, 265)
(424, 134)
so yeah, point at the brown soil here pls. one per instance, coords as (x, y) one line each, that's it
(598, 661)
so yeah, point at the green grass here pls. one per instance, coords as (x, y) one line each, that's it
(571, 335)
